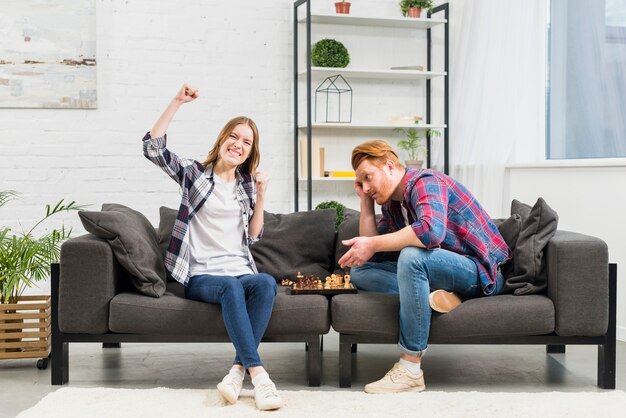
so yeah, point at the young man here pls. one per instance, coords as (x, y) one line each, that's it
(448, 246)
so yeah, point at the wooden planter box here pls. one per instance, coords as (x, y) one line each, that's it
(25, 328)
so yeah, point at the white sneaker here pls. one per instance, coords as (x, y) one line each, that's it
(230, 387)
(266, 397)
(398, 379)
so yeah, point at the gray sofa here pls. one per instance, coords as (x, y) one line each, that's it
(93, 301)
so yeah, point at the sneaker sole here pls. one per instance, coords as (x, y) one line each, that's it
(270, 406)
(412, 389)
(443, 302)
(226, 394)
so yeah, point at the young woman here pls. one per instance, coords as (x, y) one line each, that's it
(220, 216)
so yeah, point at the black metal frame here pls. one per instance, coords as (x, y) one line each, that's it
(309, 131)
(59, 357)
(554, 343)
(446, 80)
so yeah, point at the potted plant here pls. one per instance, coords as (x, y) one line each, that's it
(413, 8)
(329, 53)
(342, 7)
(24, 260)
(415, 146)
(339, 208)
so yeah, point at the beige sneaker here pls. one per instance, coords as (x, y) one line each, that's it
(398, 379)
(443, 302)
(266, 397)
(230, 387)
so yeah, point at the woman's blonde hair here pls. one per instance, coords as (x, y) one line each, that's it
(377, 152)
(252, 162)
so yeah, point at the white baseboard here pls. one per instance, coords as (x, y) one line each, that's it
(621, 333)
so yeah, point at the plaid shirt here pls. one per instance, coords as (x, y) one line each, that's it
(445, 215)
(196, 184)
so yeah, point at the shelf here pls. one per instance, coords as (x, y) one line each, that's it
(386, 126)
(329, 179)
(381, 74)
(392, 22)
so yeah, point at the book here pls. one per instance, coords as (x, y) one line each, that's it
(317, 158)
(351, 174)
(409, 67)
(406, 119)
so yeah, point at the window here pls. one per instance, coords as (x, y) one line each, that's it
(586, 82)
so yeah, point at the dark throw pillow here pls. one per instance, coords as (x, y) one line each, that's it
(134, 242)
(538, 226)
(296, 242)
(349, 228)
(509, 229)
(167, 216)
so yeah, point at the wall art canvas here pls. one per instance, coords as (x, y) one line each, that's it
(48, 54)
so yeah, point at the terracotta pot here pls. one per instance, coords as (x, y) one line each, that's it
(413, 11)
(342, 7)
(414, 163)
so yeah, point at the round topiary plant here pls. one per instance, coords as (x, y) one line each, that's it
(331, 204)
(329, 53)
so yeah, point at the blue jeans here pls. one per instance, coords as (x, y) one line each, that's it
(247, 303)
(416, 273)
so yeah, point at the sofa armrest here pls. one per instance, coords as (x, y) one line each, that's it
(89, 279)
(578, 283)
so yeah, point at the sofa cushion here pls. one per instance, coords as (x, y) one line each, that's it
(167, 217)
(349, 228)
(296, 242)
(376, 314)
(134, 242)
(509, 229)
(538, 225)
(172, 314)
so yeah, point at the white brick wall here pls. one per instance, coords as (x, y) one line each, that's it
(238, 54)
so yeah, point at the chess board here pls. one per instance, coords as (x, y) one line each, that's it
(311, 285)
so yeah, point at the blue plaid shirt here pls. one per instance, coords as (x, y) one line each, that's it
(196, 184)
(444, 214)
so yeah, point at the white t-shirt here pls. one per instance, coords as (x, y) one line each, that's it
(216, 234)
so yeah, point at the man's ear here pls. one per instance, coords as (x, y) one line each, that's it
(391, 166)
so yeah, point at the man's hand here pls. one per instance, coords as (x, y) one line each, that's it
(186, 94)
(261, 180)
(362, 250)
(358, 188)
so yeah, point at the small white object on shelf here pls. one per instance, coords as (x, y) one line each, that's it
(409, 67)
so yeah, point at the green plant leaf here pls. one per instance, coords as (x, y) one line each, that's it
(24, 259)
(339, 210)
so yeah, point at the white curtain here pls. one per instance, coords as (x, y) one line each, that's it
(497, 93)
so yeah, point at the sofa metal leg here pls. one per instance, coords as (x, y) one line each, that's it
(111, 345)
(345, 363)
(314, 361)
(555, 349)
(606, 352)
(59, 364)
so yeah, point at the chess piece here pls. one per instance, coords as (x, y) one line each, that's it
(346, 281)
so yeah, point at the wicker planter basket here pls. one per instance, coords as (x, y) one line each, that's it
(25, 329)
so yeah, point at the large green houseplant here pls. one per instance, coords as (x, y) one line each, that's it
(25, 258)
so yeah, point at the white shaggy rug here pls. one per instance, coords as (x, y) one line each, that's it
(192, 403)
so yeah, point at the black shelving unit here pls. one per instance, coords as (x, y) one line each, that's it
(443, 8)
